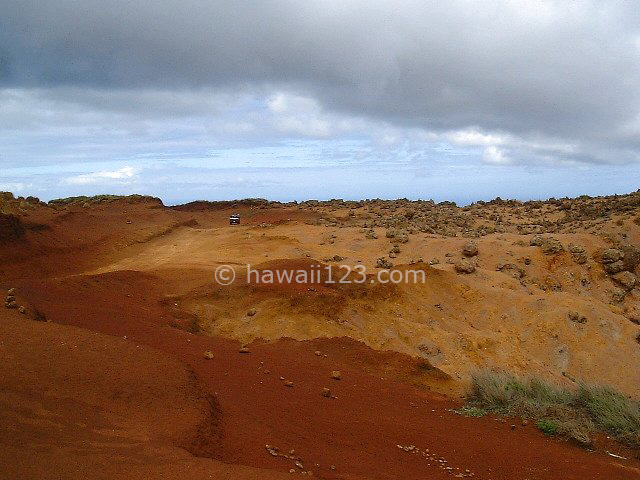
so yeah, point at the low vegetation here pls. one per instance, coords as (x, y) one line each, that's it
(576, 414)
(96, 199)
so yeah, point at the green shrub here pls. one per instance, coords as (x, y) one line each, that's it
(548, 427)
(575, 414)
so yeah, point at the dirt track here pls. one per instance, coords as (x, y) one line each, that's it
(133, 377)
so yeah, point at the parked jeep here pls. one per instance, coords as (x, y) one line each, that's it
(234, 219)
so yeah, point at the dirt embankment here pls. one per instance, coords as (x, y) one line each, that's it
(124, 389)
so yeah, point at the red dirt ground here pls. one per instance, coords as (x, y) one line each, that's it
(357, 432)
(129, 395)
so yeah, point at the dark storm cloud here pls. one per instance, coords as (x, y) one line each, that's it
(567, 70)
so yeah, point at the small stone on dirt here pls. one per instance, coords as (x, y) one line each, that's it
(614, 267)
(208, 355)
(577, 318)
(626, 280)
(336, 375)
(383, 263)
(464, 266)
(470, 249)
(611, 255)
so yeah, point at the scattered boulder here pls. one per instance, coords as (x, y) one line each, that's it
(626, 280)
(208, 355)
(464, 266)
(326, 393)
(22, 310)
(370, 234)
(245, 349)
(615, 267)
(511, 269)
(618, 295)
(576, 317)
(631, 258)
(578, 253)
(611, 255)
(384, 263)
(470, 249)
(397, 235)
(536, 241)
(551, 246)
(336, 375)
(251, 312)
(288, 383)
(11, 291)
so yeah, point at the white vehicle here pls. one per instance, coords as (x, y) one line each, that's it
(234, 219)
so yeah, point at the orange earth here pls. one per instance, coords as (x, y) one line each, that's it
(113, 382)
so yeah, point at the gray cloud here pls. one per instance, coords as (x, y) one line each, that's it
(556, 68)
(550, 83)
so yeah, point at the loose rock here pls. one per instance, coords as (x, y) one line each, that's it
(384, 263)
(464, 266)
(551, 246)
(611, 255)
(613, 268)
(626, 280)
(577, 317)
(470, 249)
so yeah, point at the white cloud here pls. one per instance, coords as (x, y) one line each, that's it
(495, 156)
(474, 137)
(299, 115)
(123, 175)
(15, 187)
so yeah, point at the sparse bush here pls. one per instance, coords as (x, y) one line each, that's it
(610, 410)
(575, 414)
(471, 411)
(548, 427)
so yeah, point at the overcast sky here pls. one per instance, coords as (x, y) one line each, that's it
(204, 99)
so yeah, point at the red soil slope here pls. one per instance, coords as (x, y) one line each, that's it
(76, 404)
(357, 432)
(130, 395)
